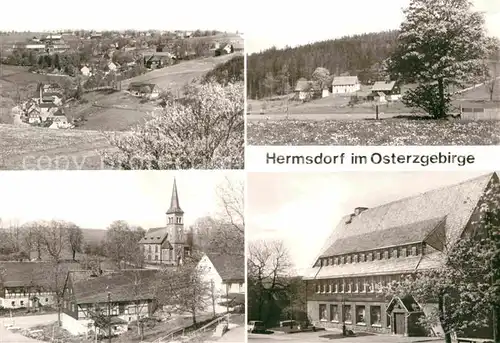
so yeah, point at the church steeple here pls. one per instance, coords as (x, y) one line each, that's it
(175, 208)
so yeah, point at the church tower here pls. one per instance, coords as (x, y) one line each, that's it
(175, 227)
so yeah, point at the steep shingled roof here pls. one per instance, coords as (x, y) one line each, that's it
(155, 236)
(345, 80)
(229, 267)
(381, 86)
(36, 274)
(456, 202)
(174, 201)
(119, 284)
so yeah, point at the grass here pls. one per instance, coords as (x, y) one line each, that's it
(40, 148)
(370, 132)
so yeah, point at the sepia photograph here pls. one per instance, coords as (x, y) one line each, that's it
(400, 72)
(116, 257)
(373, 257)
(121, 88)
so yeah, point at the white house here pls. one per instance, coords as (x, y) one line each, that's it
(226, 274)
(85, 71)
(345, 85)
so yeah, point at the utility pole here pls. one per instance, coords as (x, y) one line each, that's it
(109, 317)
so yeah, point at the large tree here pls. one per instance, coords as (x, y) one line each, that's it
(322, 76)
(122, 243)
(75, 239)
(442, 45)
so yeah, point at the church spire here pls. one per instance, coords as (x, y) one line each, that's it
(174, 201)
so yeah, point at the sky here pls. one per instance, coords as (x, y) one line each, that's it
(302, 209)
(31, 15)
(280, 24)
(94, 199)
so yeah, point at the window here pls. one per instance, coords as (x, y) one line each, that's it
(386, 254)
(362, 258)
(347, 314)
(375, 316)
(342, 286)
(170, 220)
(179, 220)
(336, 287)
(349, 258)
(403, 252)
(394, 253)
(322, 312)
(330, 288)
(360, 315)
(331, 261)
(414, 251)
(388, 323)
(21, 303)
(13, 303)
(324, 287)
(424, 246)
(369, 257)
(149, 248)
(336, 260)
(72, 307)
(318, 288)
(334, 313)
(478, 110)
(356, 285)
(355, 259)
(156, 257)
(327, 261)
(156, 248)
(46, 300)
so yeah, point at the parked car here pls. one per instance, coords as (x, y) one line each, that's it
(256, 326)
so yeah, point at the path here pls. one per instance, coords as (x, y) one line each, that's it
(323, 116)
(7, 336)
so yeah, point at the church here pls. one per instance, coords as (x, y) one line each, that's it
(167, 245)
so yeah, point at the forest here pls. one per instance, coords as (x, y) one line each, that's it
(276, 71)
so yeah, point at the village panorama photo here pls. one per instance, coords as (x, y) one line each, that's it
(373, 257)
(117, 89)
(122, 257)
(361, 72)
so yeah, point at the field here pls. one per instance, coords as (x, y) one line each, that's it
(176, 76)
(371, 132)
(38, 148)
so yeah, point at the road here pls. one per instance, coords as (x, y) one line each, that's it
(7, 336)
(324, 116)
(314, 337)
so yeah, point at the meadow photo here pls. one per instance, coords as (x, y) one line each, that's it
(411, 72)
(120, 94)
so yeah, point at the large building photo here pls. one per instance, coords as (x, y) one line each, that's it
(405, 252)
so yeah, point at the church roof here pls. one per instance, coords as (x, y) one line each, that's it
(155, 236)
(174, 201)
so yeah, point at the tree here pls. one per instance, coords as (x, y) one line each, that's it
(204, 130)
(54, 237)
(322, 76)
(493, 72)
(122, 243)
(184, 289)
(466, 286)
(441, 44)
(75, 238)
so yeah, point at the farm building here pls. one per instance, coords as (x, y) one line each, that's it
(158, 60)
(145, 90)
(480, 110)
(306, 90)
(130, 294)
(385, 91)
(373, 247)
(345, 85)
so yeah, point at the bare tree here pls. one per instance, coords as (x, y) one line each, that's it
(75, 238)
(232, 198)
(54, 237)
(214, 295)
(122, 243)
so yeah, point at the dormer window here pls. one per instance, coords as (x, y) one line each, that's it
(369, 257)
(349, 259)
(386, 254)
(414, 251)
(394, 253)
(355, 258)
(362, 258)
(331, 261)
(326, 261)
(336, 260)
(403, 252)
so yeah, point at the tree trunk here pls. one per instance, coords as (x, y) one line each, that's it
(74, 255)
(442, 103)
(441, 309)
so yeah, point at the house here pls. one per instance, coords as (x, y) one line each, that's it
(373, 247)
(59, 120)
(345, 85)
(35, 47)
(479, 110)
(383, 91)
(30, 284)
(47, 109)
(167, 245)
(85, 71)
(158, 60)
(224, 50)
(112, 66)
(128, 294)
(96, 35)
(51, 97)
(145, 90)
(238, 46)
(306, 90)
(226, 274)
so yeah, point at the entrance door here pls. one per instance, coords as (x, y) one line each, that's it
(399, 323)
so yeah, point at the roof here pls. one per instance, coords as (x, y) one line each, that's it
(420, 212)
(155, 236)
(229, 267)
(381, 86)
(174, 201)
(47, 105)
(395, 236)
(141, 86)
(119, 284)
(345, 80)
(306, 86)
(23, 274)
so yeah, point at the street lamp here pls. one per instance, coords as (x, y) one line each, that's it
(109, 317)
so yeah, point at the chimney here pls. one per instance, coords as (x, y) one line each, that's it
(358, 210)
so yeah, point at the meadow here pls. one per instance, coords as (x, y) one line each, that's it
(371, 132)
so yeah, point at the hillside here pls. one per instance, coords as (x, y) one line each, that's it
(39, 148)
(275, 72)
(230, 71)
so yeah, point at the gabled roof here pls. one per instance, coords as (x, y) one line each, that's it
(307, 86)
(141, 86)
(37, 274)
(229, 267)
(381, 86)
(408, 303)
(420, 212)
(48, 105)
(345, 81)
(125, 285)
(155, 236)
